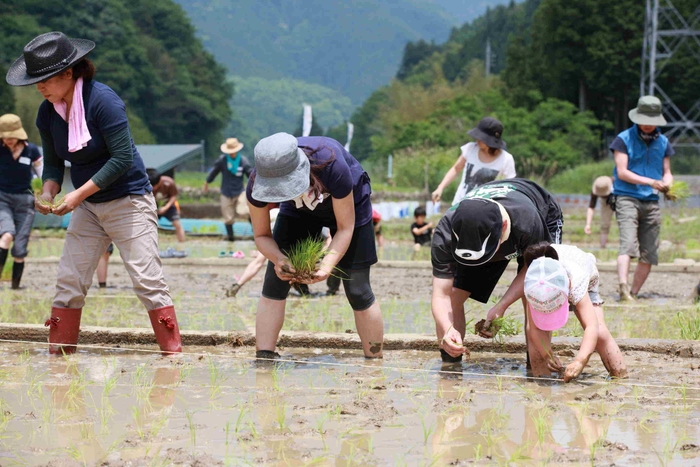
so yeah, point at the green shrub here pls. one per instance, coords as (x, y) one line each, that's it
(579, 180)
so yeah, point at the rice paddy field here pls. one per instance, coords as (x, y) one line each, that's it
(126, 405)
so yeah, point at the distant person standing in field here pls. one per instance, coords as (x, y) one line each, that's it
(165, 189)
(233, 166)
(602, 188)
(84, 122)
(642, 170)
(19, 161)
(480, 162)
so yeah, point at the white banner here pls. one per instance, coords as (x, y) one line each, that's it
(308, 118)
(351, 130)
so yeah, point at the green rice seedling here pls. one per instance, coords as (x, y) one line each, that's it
(477, 451)
(76, 454)
(281, 412)
(239, 419)
(193, 429)
(678, 191)
(216, 377)
(427, 429)
(320, 423)
(305, 257)
(543, 425)
(688, 326)
(57, 201)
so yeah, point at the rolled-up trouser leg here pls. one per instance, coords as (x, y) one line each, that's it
(64, 328)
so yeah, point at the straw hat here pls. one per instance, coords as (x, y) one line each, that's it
(231, 146)
(11, 127)
(602, 186)
(45, 56)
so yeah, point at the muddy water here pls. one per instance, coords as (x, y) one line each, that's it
(130, 408)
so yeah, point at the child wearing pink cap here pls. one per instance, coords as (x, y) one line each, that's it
(559, 275)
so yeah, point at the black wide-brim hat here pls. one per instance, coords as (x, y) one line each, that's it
(477, 225)
(490, 131)
(45, 56)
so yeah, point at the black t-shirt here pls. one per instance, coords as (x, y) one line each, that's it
(16, 174)
(424, 238)
(530, 207)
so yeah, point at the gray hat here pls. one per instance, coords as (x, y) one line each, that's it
(281, 169)
(648, 112)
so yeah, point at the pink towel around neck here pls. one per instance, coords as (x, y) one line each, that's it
(78, 133)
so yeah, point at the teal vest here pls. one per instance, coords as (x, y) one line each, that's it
(647, 161)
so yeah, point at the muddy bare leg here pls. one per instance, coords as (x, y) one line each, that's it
(268, 323)
(640, 276)
(370, 327)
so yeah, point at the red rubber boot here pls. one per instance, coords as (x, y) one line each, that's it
(165, 326)
(64, 328)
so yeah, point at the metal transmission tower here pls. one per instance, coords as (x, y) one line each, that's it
(665, 32)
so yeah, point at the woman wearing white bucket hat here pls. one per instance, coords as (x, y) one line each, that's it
(559, 276)
(319, 184)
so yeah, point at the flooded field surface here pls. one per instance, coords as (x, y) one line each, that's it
(215, 406)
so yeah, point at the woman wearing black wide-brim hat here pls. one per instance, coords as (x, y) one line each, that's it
(84, 122)
(481, 162)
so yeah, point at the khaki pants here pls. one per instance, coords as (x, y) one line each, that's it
(640, 227)
(234, 207)
(131, 223)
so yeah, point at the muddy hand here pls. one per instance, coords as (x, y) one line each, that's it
(554, 364)
(284, 270)
(486, 329)
(452, 343)
(573, 370)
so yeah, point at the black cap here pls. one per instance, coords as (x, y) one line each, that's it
(490, 131)
(476, 231)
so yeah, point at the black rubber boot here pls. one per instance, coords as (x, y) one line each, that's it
(229, 232)
(267, 355)
(17, 271)
(333, 283)
(3, 258)
(302, 289)
(447, 358)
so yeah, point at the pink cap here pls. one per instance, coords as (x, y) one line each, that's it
(547, 292)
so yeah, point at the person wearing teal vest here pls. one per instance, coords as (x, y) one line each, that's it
(642, 171)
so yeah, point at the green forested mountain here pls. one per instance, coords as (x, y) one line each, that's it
(353, 46)
(263, 107)
(146, 50)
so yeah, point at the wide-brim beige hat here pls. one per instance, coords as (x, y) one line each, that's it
(648, 112)
(602, 186)
(11, 127)
(231, 146)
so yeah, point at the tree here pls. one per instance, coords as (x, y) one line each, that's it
(7, 100)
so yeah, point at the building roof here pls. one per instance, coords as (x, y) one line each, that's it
(164, 157)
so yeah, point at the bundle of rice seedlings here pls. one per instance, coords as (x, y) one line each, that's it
(305, 257)
(56, 202)
(678, 191)
(503, 326)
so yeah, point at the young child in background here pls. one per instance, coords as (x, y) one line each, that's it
(559, 275)
(377, 222)
(602, 188)
(421, 230)
(164, 189)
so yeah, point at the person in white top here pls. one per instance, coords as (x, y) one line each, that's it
(559, 276)
(480, 162)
